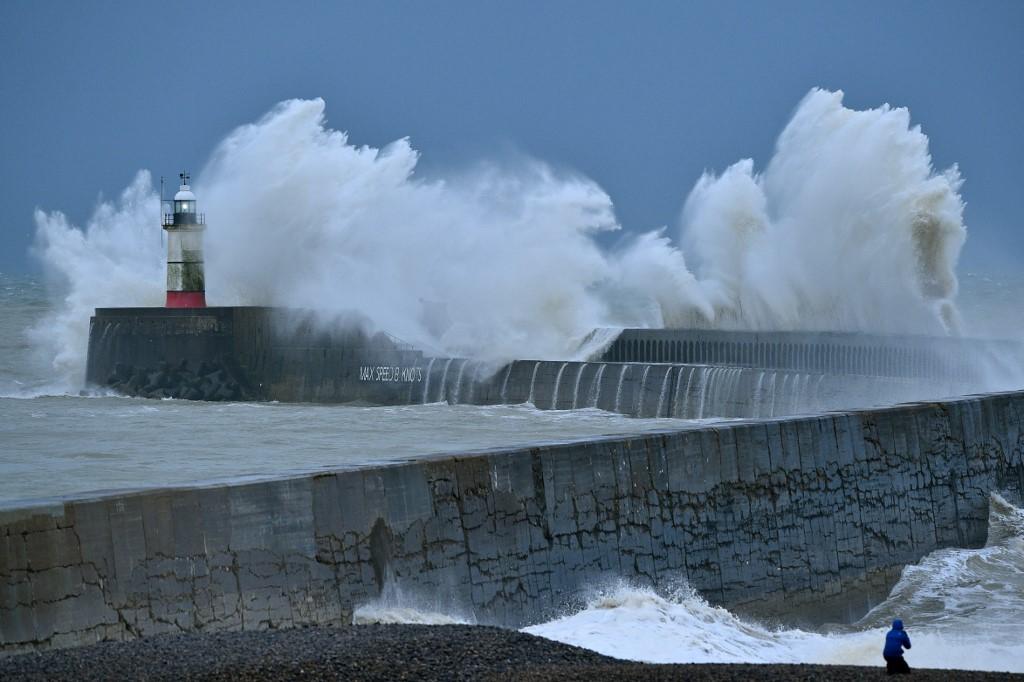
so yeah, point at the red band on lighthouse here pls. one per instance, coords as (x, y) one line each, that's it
(186, 299)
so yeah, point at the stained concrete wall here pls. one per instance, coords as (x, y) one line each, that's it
(668, 390)
(247, 353)
(764, 516)
(274, 354)
(946, 358)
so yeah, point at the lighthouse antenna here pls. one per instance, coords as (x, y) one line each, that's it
(162, 203)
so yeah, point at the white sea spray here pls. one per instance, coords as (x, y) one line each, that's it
(848, 228)
(960, 606)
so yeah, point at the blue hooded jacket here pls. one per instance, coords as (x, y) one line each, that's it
(896, 640)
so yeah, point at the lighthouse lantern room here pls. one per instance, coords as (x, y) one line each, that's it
(186, 286)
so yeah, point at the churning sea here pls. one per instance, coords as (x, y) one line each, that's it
(963, 608)
(54, 441)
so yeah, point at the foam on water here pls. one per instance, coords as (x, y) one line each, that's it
(375, 613)
(638, 624)
(962, 609)
(25, 370)
(395, 605)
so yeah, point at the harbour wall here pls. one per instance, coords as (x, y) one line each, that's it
(651, 390)
(247, 353)
(958, 359)
(809, 516)
(255, 353)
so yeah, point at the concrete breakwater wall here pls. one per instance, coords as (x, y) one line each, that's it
(769, 516)
(267, 354)
(948, 358)
(661, 390)
(251, 353)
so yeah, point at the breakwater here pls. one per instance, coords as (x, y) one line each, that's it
(290, 356)
(249, 353)
(806, 516)
(681, 391)
(949, 358)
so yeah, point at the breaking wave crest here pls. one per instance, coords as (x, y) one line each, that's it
(848, 228)
(395, 605)
(961, 608)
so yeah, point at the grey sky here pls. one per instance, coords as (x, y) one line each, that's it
(641, 97)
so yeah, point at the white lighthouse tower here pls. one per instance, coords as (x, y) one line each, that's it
(186, 283)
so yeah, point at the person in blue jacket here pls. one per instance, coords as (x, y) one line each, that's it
(895, 641)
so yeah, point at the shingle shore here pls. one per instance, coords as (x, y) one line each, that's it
(392, 652)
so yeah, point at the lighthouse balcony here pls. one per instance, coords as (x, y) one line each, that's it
(171, 219)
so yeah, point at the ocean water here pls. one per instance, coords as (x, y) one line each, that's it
(55, 442)
(65, 445)
(962, 607)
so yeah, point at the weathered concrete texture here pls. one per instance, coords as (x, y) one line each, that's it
(958, 359)
(668, 390)
(771, 516)
(275, 354)
(213, 381)
(259, 353)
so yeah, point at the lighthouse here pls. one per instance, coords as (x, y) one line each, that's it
(186, 284)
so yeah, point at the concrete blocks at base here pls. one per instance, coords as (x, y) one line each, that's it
(815, 513)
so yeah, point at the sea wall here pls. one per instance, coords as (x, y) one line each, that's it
(808, 516)
(666, 390)
(947, 358)
(251, 353)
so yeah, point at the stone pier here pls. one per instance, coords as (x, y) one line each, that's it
(808, 517)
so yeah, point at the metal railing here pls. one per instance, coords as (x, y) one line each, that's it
(171, 219)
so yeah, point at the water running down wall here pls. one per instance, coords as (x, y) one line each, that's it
(661, 389)
(952, 358)
(276, 354)
(807, 517)
(764, 246)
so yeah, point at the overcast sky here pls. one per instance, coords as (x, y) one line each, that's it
(639, 96)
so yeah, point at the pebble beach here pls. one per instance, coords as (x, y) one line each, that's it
(396, 652)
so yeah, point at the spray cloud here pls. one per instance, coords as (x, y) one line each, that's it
(848, 228)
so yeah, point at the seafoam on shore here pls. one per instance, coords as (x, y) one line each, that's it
(961, 607)
(390, 652)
